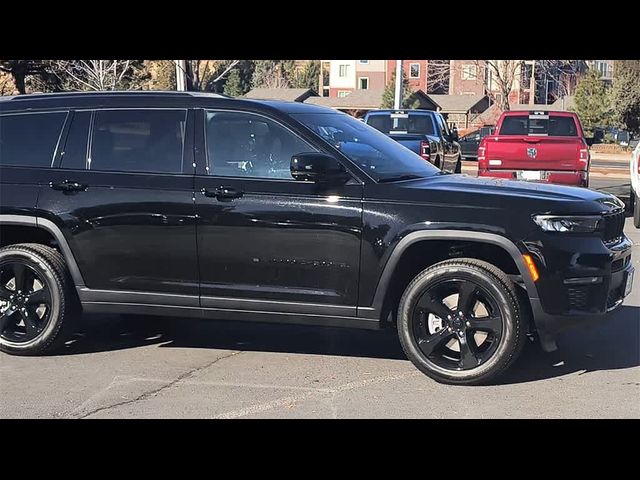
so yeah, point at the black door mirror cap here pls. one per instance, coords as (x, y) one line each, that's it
(318, 167)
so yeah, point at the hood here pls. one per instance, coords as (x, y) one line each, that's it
(495, 192)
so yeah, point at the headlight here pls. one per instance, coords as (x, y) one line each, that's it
(574, 224)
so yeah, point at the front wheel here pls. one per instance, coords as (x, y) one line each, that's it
(459, 322)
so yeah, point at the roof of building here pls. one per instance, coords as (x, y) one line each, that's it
(562, 104)
(457, 103)
(287, 94)
(358, 99)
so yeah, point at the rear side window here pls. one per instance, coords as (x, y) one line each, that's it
(539, 125)
(402, 123)
(138, 141)
(30, 140)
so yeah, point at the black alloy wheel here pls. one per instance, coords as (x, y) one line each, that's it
(26, 302)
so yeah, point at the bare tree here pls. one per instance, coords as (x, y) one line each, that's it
(97, 75)
(438, 76)
(501, 79)
(21, 69)
(563, 73)
(203, 75)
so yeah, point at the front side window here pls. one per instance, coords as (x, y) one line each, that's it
(414, 70)
(377, 154)
(30, 139)
(138, 141)
(241, 144)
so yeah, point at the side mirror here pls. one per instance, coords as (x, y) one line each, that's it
(318, 167)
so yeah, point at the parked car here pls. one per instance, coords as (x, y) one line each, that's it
(537, 146)
(199, 205)
(422, 131)
(470, 142)
(635, 185)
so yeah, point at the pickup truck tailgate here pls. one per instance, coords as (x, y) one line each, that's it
(531, 152)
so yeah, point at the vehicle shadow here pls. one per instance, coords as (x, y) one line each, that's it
(610, 345)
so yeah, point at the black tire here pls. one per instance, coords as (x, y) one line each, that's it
(506, 342)
(436, 162)
(62, 310)
(458, 165)
(635, 205)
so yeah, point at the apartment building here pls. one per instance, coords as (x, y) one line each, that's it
(345, 76)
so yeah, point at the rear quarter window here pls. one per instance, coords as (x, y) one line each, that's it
(30, 139)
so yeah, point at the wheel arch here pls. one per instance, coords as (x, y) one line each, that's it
(423, 237)
(51, 228)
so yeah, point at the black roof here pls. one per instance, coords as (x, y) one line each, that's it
(146, 98)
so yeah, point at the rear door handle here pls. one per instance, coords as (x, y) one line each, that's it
(69, 186)
(223, 193)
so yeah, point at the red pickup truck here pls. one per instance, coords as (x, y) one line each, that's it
(537, 146)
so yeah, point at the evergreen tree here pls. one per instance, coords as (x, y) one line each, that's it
(592, 102)
(625, 100)
(307, 77)
(408, 98)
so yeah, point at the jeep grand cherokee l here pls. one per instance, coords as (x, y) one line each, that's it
(198, 205)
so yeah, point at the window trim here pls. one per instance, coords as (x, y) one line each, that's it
(61, 134)
(466, 69)
(348, 92)
(207, 165)
(360, 83)
(346, 67)
(419, 70)
(94, 112)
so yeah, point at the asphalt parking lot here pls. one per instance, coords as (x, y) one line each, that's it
(168, 367)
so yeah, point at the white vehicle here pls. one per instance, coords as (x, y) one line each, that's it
(635, 185)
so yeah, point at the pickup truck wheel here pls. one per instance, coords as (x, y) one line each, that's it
(458, 165)
(37, 302)
(459, 322)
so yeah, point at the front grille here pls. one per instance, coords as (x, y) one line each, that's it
(613, 226)
(578, 297)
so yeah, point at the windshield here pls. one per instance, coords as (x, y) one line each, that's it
(378, 155)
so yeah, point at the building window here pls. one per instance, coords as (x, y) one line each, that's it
(469, 72)
(343, 93)
(343, 70)
(414, 70)
(364, 83)
(364, 62)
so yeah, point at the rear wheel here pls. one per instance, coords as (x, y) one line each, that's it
(37, 301)
(459, 322)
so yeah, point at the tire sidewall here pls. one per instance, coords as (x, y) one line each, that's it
(56, 300)
(500, 296)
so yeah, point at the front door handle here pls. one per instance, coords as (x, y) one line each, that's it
(223, 193)
(69, 186)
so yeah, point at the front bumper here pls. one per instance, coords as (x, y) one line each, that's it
(563, 304)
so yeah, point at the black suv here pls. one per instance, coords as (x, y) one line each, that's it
(184, 204)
